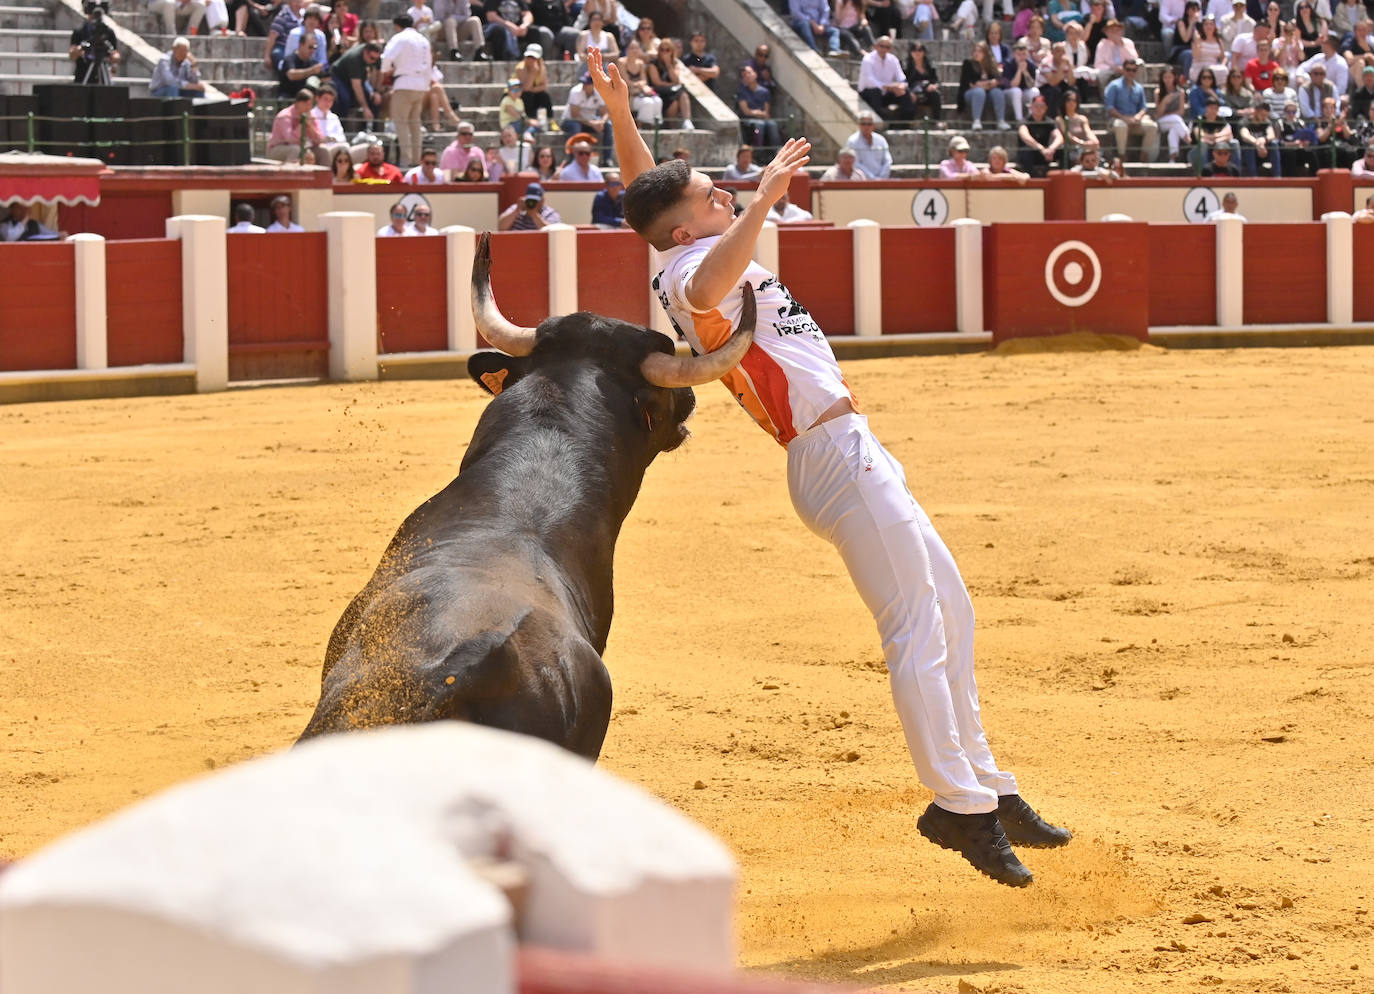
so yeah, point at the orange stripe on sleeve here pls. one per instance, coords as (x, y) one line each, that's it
(712, 329)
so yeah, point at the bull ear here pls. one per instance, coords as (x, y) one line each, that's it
(496, 371)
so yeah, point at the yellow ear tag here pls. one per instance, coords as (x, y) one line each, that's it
(495, 381)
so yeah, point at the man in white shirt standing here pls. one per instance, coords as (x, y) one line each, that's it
(870, 148)
(1337, 71)
(407, 59)
(1246, 46)
(882, 84)
(427, 172)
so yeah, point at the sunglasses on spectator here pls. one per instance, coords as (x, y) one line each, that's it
(581, 152)
(421, 214)
(398, 213)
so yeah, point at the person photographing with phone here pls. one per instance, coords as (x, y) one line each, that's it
(844, 485)
(528, 213)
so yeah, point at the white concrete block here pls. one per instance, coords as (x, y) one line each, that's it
(342, 865)
(1230, 271)
(204, 297)
(766, 248)
(351, 245)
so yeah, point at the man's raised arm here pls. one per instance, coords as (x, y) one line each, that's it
(630, 151)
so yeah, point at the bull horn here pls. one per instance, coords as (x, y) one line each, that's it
(509, 338)
(693, 371)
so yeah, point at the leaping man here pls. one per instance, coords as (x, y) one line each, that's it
(844, 485)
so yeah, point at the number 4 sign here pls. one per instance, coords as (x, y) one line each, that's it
(1198, 203)
(929, 208)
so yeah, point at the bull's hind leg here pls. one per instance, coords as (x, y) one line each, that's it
(592, 694)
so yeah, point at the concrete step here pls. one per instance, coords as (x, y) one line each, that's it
(13, 84)
(25, 18)
(22, 40)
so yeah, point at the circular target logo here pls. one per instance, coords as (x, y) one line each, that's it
(1073, 273)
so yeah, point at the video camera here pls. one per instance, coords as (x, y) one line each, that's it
(531, 203)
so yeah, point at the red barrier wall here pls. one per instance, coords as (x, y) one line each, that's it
(37, 306)
(140, 214)
(1285, 273)
(918, 280)
(1183, 274)
(412, 294)
(613, 275)
(1058, 277)
(278, 306)
(817, 265)
(1359, 279)
(143, 302)
(520, 276)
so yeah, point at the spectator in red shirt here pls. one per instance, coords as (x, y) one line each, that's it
(376, 167)
(1260, 70)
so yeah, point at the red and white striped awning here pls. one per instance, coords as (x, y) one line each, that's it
(49, 179)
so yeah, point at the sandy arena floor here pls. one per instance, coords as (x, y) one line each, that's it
(1170, 553)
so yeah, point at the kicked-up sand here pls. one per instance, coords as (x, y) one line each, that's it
(1170, 553)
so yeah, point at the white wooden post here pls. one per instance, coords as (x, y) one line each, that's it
(462, 328)
(92, 343)
(868, 271)
(1340, 267)
(204, 297)
(968, 274)
(1230, 271)
(351, 240)
(562, 268)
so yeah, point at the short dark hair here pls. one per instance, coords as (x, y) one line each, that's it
(654, 193)
(243, 212)
(372, 46)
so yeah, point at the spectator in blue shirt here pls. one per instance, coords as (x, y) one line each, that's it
(811, 17)
(176, 74)
(1127, 109)
(608, 206)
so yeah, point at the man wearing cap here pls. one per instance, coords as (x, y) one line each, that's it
(407, 60)
(579, 167)
(1113, 52)
(529, 213)
(454, 161)
(844, 168)
(1337, 72)
(1222, 163)
(1124, 99)
(1259, 142)
(608, 206)
(586, 114)
(1234, 24)
(871, 151)
(958, 164)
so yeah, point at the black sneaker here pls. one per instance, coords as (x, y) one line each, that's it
(455, 55)
(1026, 828)
(979, 839)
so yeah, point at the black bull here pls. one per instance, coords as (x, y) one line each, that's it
(493, 602)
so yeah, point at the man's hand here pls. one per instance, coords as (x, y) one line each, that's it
(778, 173)
(609, 86)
